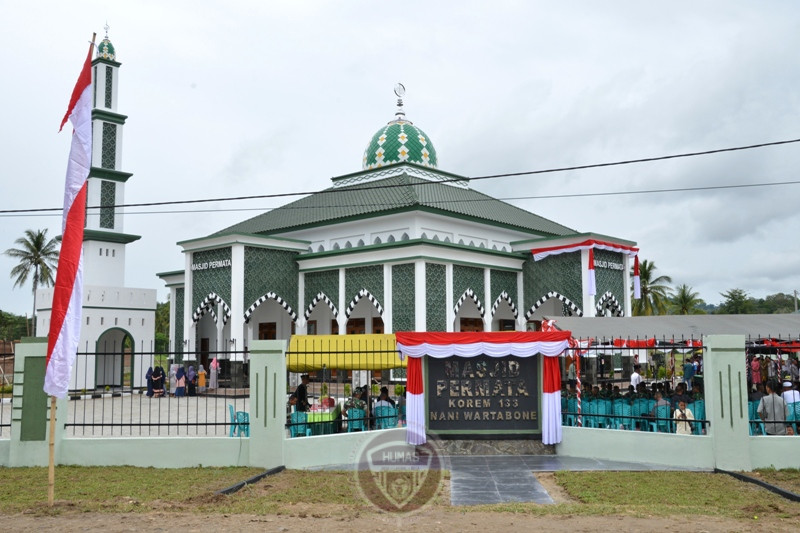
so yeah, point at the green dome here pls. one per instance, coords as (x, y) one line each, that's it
(400, 141)
(106, 50)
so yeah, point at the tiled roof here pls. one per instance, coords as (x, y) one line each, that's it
(393, 194)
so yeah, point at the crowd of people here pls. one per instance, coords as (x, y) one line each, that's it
(180, 382)
(773, 383)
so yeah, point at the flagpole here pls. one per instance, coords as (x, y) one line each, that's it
(51, 469)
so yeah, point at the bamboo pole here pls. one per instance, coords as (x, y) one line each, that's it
(51, 470)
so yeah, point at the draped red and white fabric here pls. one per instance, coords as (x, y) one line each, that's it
(541, 253)
(592, 283)
(415, 345)
(637, 280)
(65, 317)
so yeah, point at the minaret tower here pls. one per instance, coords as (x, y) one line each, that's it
(104, 240)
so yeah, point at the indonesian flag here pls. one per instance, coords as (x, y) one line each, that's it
(592, 284)
(65, 319)
(637, 283)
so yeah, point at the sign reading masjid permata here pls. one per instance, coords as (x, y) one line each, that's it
(205, 265)
(483, 394)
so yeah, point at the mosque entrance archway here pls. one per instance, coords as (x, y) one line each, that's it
(114, 360)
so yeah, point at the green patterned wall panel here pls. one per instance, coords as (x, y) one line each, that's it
(403, 291)
(609, 279)
(208, 280)
(464, 278)
(267, 271)
(559, 273)
(179, 309)
(108, 199)
(326, 281)
(108, 154)
(503, 280)
(369, 278)
(435, 297)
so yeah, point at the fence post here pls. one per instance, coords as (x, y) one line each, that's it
(267, 403)
(725, 386)
(28, 445)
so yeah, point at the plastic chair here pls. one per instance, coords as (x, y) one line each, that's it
(622, 409)
(698, 409)
(588, 412)
(662, 426)
(243, 421)
(639, 407)
(793, 415)
(756, 425)
(571, 417)
(234, 429)
(355, 419)
(385, 417)
(299, 425)
(604, 412)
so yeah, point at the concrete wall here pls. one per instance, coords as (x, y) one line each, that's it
(727, 445)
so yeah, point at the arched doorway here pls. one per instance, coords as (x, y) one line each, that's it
(114, 360)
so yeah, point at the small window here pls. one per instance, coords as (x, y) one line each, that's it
(87, 320)
(113, 253)
(102, 319)
(101, 252)
(311, 327)
(377, 240)
(143, 322)
(116, 321)
(390, 238)
(130, 320)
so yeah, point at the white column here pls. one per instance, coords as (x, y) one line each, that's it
(450, 313)
(626, 282)
(188, 308)
(302, 323)
(420, 311)
(521, 322)
(342, 318)
(588, 301)
(387, 299)
(487, 299)
(237, 304)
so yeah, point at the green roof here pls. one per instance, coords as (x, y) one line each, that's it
(393, 194)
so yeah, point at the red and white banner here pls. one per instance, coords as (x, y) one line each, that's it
(592, 283)
(541, 253)
(415, 345)
(65, 317)
(637, 283)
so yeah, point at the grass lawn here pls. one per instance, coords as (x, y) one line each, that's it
(128, 489)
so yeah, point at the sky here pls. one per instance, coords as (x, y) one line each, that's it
(251, 98)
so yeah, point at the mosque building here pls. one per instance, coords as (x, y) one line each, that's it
(399, 245)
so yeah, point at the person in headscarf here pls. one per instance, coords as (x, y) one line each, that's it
(180, 382)
(201, 379)
(149, 377)
(214, 373)
(191, 381)
(158, 382)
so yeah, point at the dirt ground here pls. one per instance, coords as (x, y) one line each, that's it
(427, 521)
(328, 518)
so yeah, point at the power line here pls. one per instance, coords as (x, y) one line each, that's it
(7, 212)
(445, 202)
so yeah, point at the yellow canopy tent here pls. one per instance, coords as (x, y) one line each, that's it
(308, 353)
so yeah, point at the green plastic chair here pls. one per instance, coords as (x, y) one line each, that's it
(698, 409)
(756, 425)
(621, 410)
(355, 419)
(385, 417)
(299, 425)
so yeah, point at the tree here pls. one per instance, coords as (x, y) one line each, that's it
(162, 327)
(736, 303)
(38, 258)
(655, 293)
(686, 302)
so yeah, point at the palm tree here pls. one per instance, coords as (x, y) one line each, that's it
(654, 293)
(38, 256)
(686, 302)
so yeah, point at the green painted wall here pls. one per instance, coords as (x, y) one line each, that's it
(436, 297)
(216, 280)
(403, 310)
